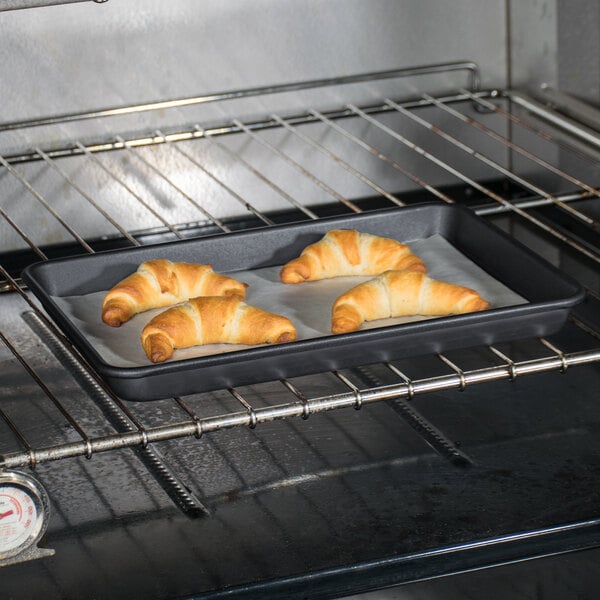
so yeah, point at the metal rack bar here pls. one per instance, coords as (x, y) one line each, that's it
(251, 417)
(151, 139)
(470, 67)
(303, 399)
(45, 204)
(297, 166)
(418, 180)
(49, 394)
(516, 147)
(485, 190)
(23, 235)
(231, 192)
(17, 433)
(524, 204)
(408, 412)
(309, 213)
(356, 173)
(52, 163)
(574, 128)
(251, 412)
(491, 163)
(487, 105)
(568, 104)
(127, 187)
(158, 172)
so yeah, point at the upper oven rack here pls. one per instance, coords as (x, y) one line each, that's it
(345, 389)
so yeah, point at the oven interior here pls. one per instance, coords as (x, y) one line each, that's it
(327, 484)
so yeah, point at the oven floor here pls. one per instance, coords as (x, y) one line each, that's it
(565, 577)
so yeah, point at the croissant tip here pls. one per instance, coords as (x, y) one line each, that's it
(286, 336)
(158, 357)
(483, 305)
(155, 347)
(112, 321)
(343, 326)
(289, 276)
(477, 304)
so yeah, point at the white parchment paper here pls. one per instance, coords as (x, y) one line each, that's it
(308, 305)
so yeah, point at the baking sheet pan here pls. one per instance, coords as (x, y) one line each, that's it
(527, 296)
(308, 305)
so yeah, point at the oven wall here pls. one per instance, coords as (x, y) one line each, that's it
(555, 43)
(86, 55)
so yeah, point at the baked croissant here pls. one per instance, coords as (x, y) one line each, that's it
(349, 252)
(398, 294)
(158, 283)
(212, 320)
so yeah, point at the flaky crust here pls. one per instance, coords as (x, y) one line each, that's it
(213, 320)
(349, 252)
(398, 294)
(158, 283)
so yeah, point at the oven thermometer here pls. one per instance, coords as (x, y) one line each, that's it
(24, 512)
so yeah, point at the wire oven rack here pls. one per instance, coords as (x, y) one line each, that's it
(523, 177)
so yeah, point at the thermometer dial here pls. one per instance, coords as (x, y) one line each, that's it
(23, 514)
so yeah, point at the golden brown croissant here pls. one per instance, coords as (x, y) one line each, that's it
(349, 252)
(401, 293)
(158, 283)
(213, 320)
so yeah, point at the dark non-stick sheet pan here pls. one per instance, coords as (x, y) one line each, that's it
(529, 297)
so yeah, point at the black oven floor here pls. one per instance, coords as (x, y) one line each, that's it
(565, 577)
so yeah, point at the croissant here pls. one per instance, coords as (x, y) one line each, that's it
(158, 283)
(212, 320)
(349, 252)
(401, 293)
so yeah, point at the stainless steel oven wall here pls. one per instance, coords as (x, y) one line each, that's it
(557, 44)
(85, 55)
